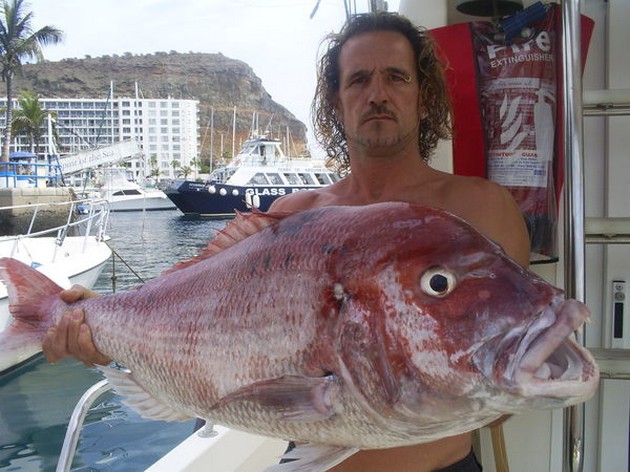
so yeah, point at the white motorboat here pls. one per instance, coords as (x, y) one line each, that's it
(73, 252)
(126, 195)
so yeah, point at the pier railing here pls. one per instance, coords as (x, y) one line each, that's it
(21, 174)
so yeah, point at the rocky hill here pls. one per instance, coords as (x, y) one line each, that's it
(218, 82)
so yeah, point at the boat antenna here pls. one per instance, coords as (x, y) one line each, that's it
(268, 128)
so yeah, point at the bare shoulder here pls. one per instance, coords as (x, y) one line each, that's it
(298, 201)
(490, 208)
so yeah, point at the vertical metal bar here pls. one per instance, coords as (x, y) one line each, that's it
(75, 424)
(573, 444)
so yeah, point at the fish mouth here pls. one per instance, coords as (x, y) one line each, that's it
(542, 358)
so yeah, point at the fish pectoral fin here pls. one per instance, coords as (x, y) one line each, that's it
(296, 397)
(137, 398)
(312, 457)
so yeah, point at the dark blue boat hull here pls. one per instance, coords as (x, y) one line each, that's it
(223, 200)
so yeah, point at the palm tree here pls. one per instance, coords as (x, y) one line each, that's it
(29, 118)
(175, 164)
(195, 164)
(185, 171)
(155, 170)
(18, 42)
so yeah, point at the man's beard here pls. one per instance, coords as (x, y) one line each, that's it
(376, 141)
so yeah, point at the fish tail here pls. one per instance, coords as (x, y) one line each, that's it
(30, 304)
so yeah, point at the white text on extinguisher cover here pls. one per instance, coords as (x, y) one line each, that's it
(538, 48)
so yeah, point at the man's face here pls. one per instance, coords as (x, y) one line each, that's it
(378, 97)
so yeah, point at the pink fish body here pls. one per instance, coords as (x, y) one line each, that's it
(351, 327)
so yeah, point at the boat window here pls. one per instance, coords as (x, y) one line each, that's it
(258, 179)
(307, 179)
(293, 179)
(334, 177)
(221, 175)
(275, 179)
(322, 178)
(127, 192)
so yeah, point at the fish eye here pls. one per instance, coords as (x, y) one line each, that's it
(437, 282)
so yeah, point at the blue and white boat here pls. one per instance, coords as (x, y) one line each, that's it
(259, 174)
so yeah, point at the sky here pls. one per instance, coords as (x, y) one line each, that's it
(277, 38)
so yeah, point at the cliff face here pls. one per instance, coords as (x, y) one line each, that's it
(218, 82)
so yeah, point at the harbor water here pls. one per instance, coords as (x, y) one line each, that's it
(36, 401)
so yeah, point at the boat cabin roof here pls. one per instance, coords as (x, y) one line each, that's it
(260, 151)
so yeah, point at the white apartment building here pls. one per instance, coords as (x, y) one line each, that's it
(167, 129)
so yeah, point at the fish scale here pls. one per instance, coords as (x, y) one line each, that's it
(359, 327)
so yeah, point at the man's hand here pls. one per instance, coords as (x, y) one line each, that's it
(72, 336)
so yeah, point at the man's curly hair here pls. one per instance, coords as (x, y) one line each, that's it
(328, 127)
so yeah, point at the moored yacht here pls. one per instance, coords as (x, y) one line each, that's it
(123, 194)
(259, 174)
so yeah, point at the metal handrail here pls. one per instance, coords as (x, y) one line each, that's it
(97, 211)
(39, 174)
(75, 424)
(574, 250)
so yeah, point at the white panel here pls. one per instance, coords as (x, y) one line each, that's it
(428, 13)
(615, 394)
(615, 413)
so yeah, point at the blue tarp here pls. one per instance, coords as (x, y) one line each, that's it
(18, 155)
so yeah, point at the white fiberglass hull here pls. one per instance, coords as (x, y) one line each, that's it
(149, 201)
(79, 260)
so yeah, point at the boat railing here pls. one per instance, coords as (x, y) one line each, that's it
(84, 217)
(19, 174)
(75, 424)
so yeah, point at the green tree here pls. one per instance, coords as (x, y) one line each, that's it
(18, 42)
(195, 164)
(155, 169)
(175, 164)
(29, 118)
(185, 171)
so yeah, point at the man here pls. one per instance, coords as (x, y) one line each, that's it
(380, 110)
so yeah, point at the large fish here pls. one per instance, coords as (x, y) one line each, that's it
(344, 327)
